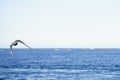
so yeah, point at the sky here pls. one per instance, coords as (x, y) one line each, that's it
(60, 23)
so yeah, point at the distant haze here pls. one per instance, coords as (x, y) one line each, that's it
(60, 23)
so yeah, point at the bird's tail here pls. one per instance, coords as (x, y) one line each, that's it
(11, 52)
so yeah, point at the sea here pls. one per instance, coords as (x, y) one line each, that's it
(60, 64)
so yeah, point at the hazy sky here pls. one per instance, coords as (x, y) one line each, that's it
(61, 23)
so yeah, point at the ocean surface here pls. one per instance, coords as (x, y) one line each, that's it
(60, 64)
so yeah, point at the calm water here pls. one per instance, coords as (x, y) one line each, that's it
(60, 64)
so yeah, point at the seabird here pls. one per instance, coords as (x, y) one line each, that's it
(15, 43)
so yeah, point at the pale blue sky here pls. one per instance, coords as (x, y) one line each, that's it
(61, 23)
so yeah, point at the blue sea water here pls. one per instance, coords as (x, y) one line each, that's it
(60, 64)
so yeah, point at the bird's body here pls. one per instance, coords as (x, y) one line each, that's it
(15, 44)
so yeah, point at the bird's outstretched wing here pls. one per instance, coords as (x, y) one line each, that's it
(11, 50)
(23, 43)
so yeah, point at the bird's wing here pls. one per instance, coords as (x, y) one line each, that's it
(23, 43)
(11, 50)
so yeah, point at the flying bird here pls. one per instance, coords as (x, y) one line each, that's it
(15, 44)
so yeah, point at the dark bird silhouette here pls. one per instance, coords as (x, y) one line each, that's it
(15, 44)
